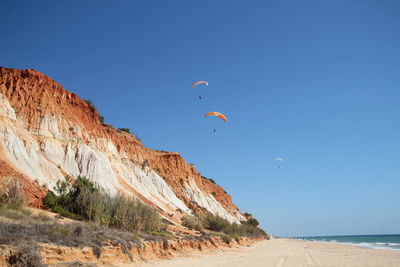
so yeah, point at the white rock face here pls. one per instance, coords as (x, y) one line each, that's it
(53, 150)
(96, 167)
(5, 109)
(27, 158)
(49, 127)
(208, 202)
(149, 184)
(47, 153)
(69, 164)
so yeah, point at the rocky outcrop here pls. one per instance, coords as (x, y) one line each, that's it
(47, 132)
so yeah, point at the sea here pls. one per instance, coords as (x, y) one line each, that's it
(369, 241)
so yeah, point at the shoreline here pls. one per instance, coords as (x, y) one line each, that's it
(288, 253)
(360, 245)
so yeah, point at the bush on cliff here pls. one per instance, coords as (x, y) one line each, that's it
(218, 224)
(11, 194)
(247, 215)
(193, 222)
(90, 104)
(252, 222)
(84, 201)
(101, 118)
(209, 179)
(93, 108)
(125, 130)
(245, 228)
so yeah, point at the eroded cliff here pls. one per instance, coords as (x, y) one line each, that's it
(47, 132)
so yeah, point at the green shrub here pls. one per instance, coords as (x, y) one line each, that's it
(101, 118)
(63, 187)
(133, 215)
(209, 179)
(245, 228)
(93, 108)
(216, 223)
(192, 222)
(90, 104)
(66, 213)
(160, 233)
(11, 193)
(88, 101)
(124, 130)
(227, 239)
(50, 201)
(83, 201)
(247, 215)
(252, 222)
(236, 237)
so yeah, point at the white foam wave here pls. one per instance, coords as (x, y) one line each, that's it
(374, 245)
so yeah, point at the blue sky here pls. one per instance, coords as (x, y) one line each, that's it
(316, 83)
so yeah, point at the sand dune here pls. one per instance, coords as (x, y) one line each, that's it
(289, 253)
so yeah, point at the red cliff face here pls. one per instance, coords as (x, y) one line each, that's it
(35, 98)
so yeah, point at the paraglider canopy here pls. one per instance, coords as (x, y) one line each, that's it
(280, 160)
(216, 114)
(199, 82)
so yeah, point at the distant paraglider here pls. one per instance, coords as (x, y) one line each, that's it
(199, 82)
(219, 115)
(280, 160)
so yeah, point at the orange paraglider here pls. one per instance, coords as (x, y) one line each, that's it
(216, 114)
(199, 82)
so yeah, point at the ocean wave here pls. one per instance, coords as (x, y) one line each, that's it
(377, 245)
(374, 245)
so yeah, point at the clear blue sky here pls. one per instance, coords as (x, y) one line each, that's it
(316, 83)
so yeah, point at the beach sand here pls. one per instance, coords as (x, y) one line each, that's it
(289, 253)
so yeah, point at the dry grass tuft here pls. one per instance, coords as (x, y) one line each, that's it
(11, 194)
(26, 255)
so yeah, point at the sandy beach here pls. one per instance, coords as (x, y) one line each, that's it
(289, 253)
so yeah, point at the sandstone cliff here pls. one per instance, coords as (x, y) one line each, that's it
(47, 132)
